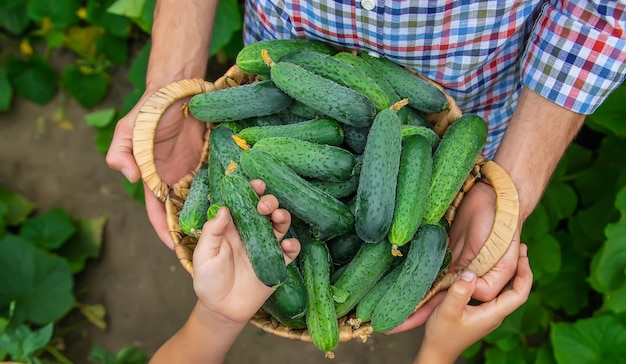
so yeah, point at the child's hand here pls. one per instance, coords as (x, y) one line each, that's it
(454, 325)
(224, 280)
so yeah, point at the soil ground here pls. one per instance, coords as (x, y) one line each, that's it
(147, 294)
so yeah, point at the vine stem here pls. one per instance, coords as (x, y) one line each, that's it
(57, 355)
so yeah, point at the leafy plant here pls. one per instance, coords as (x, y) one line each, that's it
(577, 249)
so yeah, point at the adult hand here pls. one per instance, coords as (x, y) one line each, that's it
(177, 148)
(472, 224)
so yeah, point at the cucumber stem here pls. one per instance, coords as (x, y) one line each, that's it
(399, 105)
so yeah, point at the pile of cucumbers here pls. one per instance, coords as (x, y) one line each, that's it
(342, 140)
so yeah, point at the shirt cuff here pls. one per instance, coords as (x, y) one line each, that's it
(573, 63)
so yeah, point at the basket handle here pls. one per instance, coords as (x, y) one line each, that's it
(505, 225)
(147, 122)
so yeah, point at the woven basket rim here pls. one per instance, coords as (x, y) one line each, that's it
(500, 237)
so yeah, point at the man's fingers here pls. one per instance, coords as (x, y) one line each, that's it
(156, 215)
(120, 157)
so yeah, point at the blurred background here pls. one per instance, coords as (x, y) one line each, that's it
(84, 278)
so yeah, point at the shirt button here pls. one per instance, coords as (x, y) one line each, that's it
(368, 4)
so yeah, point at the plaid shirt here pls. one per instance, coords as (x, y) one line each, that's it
(482, 52)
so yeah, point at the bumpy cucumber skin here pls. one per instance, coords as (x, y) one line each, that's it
(341, 72)
(416, 118)
(320, 314)
(257, 234)
(453, 160)
(193, 213)
(272, 119)
(422, 95)
(419, 270)
(328, 216)
(344, 247)
(216, 173)
(361, 274)
(324, 95)
(261, 98)
(323, 131)
(289, 301)
(366, 306)
(355, 138)
(249, 59)
(223, 146)
(412, 189)
(341, 189)
(376, 194)
(428, 133)
(308, 159)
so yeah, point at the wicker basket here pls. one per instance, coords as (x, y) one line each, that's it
(504, 226)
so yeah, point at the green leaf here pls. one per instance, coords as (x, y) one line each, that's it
(130, 100)
(587, 225)
(560, 201)
(615, 301)
(100, 355)
(528, 319)
(87, 89)
(131, 355)
(495, 355)
(536, 225)
(127, 8)
(55, 38)
(145, 20)
(38, 339)
(84, 244)
(34, 79)
(83, 40)
(101, 118)
(62, 14)
(137, 70)
(114, 48)
(609, 117)
(40, 284)
(545, 257)
(19, 207)
(14, 17)
(599, 339)
(97, 14)
(95, 314)
(50, 229)
(6, 91)
(569, 290)
(103, 137)
(544, 354)
(228, 21)
(608, 266)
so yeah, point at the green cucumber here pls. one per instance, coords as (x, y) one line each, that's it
(249, 58)
(341, 189)
(412, 190)
(323, 131)
(417, 118)
(344, 247)
(193, 213)
(328, 216)
(321, 319)
(308, 159)
(419, 270)
(341, 72)
(304, 111)
(355, 138)
(366, 306)
(272, 119)
(428, 133)
(227, 146)
(422, 95)
(322, 94)
(260, 99)
(361, 274)
(376, 194)
(256, 231)
(289, 301)
(216, 173)
(453, 160)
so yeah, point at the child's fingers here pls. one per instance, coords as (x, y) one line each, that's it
(458, 295)
(515, 296)
(258, 186)
(267, 204)
(281, 220)
(291, 249)
(210, 241)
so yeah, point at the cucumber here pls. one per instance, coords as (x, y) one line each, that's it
(249, 58)
(422, 95)
(328, 97)
(321, 319)
(341, 72)
(355, 138)
(419, 270)
(304, 111)
(310, 159)
(256, 231)
(239, 102)
(193, 213)
(328, 216)
(227, 146)
(272, 119)
(344, 247)
(323, 131)
(376, 194)
(289, 301)
(412, 190)
(216, 173)
(341, 189)
(417, 118)
(428, 133)
(366, 306)
(453, 160)
(367, 267)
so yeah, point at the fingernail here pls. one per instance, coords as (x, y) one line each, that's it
(127, 174)
(468, 275)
